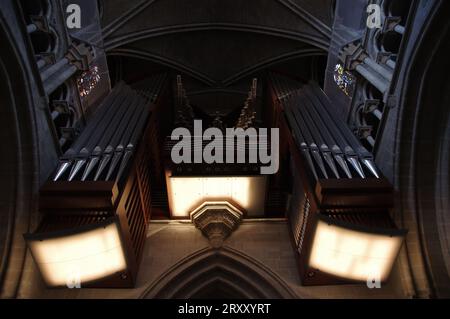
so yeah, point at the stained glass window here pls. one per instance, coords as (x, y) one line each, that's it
(344, 80)
(87, 81)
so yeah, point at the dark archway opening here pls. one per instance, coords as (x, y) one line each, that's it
(216, 274)
(218, 290)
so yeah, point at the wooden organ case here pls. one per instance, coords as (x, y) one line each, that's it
(340, 203)
(100, 194)
(190, 184)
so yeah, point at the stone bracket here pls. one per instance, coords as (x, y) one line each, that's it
(41, 23)
(217, 220)
(390, 23)
(383, 57)
(364, 131)
(352, 54)
(61, 106)
(370, 105)
(81, 56)
(48, 57)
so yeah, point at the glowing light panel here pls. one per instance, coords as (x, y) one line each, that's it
(83, 257)
(186, 193)
(352, 254)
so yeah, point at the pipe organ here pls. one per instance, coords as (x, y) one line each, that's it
(120, 172)
(97, 204)
(190, 184)
(340, 205)
(248, 113)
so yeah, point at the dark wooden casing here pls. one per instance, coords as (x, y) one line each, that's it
(68, 206)
(365, 202)
(127, 199)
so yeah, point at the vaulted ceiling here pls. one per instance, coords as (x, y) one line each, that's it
(216, 44)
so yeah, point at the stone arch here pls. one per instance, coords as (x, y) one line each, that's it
(218, 273)
(423, 147)
(18, 164)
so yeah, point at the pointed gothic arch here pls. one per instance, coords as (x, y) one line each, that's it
(222, 273)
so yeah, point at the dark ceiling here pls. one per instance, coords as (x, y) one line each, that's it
(216, 45)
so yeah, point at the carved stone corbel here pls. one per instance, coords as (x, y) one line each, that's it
(216, 220)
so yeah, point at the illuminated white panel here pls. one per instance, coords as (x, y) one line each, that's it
(352, 254)
(186, 193)
(82, 257)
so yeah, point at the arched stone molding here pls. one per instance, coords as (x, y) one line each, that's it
(19, 169)
(225, 271)
(299, 11)
(422, 163)
(302, 37)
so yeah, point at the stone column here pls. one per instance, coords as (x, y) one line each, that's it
(77, 58)
(355, 58)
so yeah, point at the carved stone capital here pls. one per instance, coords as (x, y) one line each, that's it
(216, 220)
(81, 55)
(352, 54)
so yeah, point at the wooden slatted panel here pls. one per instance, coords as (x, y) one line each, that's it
(70, 220)
(143, 170)
(367, 219)
(303, 223)
(136, 219)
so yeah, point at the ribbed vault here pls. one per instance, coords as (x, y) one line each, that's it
(216, 43)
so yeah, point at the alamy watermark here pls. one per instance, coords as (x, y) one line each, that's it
(374, 16)
(222, 149)
(73, 20)
(374, 279)
(73, 279)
